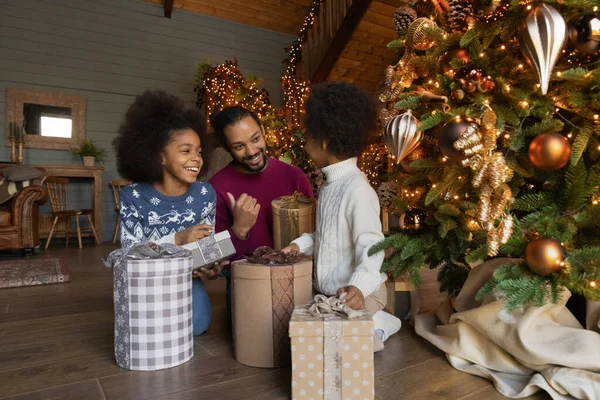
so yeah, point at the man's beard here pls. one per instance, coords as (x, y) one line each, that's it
(250, 168)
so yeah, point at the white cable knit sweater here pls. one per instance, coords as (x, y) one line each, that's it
(347, 225)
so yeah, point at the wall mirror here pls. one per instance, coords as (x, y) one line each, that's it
(45, 120)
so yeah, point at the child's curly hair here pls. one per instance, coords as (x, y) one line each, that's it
(148, 126)
(340, 114)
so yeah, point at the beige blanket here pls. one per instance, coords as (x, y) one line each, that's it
(541, 348)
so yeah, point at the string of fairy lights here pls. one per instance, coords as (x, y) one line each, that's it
(295, 90)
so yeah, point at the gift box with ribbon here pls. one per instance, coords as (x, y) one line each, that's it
(292, 216)
(265, 288)
(153, 306)
(211, 249)
(332, 351)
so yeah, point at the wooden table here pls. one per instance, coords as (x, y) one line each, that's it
(80, 171)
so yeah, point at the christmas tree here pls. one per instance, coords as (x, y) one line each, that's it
(492, 117)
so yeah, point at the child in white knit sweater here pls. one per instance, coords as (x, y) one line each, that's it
(338, 119)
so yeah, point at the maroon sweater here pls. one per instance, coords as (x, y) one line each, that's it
(278, 179)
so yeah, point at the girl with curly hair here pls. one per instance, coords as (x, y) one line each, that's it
(159, 148)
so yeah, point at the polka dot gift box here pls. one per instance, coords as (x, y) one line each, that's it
(332, 357)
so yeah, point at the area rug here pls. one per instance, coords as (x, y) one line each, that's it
(33, 271)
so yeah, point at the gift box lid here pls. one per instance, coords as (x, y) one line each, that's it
(244, 269)
(304, 205)
(303, 324)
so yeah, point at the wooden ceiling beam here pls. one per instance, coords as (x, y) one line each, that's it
(169, 8)
(354, 15)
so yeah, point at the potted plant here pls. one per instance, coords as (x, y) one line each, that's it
(89, 152)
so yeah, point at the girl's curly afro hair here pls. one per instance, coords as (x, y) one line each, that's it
(340, 114)
(149, 124)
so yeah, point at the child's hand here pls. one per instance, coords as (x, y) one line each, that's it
(352, 296)
(192, 234)
(292, 248)
(211, 272)
(245, 212)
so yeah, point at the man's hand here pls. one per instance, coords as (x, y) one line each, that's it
(245, 211)
(292, 248)
(192, 234)
(210, 272)
(352, 296)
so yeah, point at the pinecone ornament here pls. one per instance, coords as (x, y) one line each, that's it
(387, 192)
(460, 14)
(424, 8)
(403, 17)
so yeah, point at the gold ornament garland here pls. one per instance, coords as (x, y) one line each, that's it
(490, 175)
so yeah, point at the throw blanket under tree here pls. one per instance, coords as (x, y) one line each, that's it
(542, 348)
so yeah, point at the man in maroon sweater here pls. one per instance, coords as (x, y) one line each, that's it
(247, 186)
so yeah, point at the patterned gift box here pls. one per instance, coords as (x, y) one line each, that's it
(211, 249)
(153, 313)
(263, 299)
(292, 216)
(332, 357)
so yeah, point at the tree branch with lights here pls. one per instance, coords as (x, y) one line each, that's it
(224, 85)
(500, 129)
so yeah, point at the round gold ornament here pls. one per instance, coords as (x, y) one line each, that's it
(461, 54)
(416, 154)
(549, 151)
(545, 256)
(417, 37)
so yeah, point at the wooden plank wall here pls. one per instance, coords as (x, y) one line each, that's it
(111, 50)
(366, 55)
(279, 15)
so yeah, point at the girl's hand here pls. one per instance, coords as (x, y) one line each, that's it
(352, 296)
(291, 248)
(209, 272)
(192, 234)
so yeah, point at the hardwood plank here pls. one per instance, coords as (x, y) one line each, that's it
(194, 374)
(489, 393)
(344, 33)
(272, 385)
(48, 353)
(216, 344)
(382, 8)
(428, 380)
(243, 15)
(402, 352)
(41, 376)
(55, 311)
(384, 20)
(388, 33)
(369, 48)
(49, 324)
(89, 390)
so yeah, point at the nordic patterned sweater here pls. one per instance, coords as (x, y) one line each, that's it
(149, 216)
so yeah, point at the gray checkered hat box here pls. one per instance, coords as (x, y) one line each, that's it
(153, 313)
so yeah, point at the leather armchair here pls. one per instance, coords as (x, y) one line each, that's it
(19, 219)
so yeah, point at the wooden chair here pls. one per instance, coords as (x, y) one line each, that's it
(116, 185)
(59, 199)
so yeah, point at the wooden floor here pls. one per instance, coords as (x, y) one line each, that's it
(56, 342)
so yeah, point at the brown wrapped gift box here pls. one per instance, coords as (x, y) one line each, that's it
(292, 216)
(263, 299)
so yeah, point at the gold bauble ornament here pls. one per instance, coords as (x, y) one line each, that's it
(417, 37)
(549, 151)
(545, 256)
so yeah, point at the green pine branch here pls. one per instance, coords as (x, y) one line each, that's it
(533, 201)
